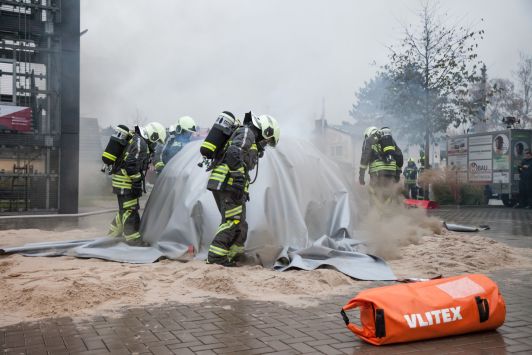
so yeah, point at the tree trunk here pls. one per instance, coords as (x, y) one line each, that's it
(427, 160)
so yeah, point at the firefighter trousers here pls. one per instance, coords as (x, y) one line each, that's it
(228, 243)
(127, 221)
(381, 189)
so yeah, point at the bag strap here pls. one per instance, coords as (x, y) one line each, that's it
(483, 308)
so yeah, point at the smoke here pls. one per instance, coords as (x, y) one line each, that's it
(387, 226)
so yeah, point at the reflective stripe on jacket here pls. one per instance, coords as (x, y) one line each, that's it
(239, 154)
(128, 169)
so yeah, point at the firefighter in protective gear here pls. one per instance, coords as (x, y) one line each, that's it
(229, 183)
(128, 177)
(410, 174)
(383, 172)
(157, 157)
(180, 135)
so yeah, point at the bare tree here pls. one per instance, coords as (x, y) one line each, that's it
(138, 118)
(524, 82)
(444, 56)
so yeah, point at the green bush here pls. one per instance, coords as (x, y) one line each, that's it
(471, 195)
(443, 194)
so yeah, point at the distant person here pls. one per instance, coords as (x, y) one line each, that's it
(410, 174)
(525, 181)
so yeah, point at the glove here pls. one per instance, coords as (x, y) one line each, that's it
(239, 181)
(361, 177)
(397, 176)
(136, 188)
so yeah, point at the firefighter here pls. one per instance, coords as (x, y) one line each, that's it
(128, 177)
(410, 174)
(229, 183)
(384, 160)
(180, 135)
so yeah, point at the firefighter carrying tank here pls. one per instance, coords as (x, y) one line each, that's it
(115, 147)
(221, 131)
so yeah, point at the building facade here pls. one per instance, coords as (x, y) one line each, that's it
(39, 106)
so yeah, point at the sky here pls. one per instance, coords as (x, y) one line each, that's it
(162, 59)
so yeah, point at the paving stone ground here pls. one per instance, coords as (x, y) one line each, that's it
(247, 327)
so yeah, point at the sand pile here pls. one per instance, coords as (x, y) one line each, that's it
(37, 287)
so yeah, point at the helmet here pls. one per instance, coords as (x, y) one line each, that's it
(185, 124)
(410, 160)
(153, 132)
(268, 127)
(370, 131)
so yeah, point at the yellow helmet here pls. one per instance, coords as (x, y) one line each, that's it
(269, 128)
(369, 131)
(153, 132)
(185, 124)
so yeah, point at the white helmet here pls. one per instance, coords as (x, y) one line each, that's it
(153, 132)
(369, 131)
(269, 128)
(185, 124)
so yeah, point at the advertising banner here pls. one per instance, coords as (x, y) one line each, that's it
(501, 177)
(480, 170)
(480, 152)
(501, 152)
(480, 140)
(456, 146)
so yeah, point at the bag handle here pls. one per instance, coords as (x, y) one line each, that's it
(483, 308)
(380, 328)
(353, 327)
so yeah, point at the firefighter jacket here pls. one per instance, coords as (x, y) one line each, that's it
(372, 157)
(157, 159)
(128, 170)
(172, 147)
(410, 174)
(240, 154)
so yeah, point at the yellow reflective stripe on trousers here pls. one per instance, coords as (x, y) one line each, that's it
(208, 145)
(159, 164)
(221, 169)
(121, 178)
(224, 226)
(233, 212)
(218, 251)
(130, 203)
(132, 236)
(121, 185)
(109, 156)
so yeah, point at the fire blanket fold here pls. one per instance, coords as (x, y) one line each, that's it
(342, 255)
(425, 310)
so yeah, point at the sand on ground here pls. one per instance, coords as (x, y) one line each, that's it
(39, 287)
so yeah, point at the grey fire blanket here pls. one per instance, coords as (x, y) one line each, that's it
(301, 215)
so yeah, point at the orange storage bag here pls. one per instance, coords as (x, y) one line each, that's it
(428, 309)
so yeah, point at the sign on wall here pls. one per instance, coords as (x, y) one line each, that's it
(480, 170)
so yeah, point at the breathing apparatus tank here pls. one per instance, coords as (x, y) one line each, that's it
(387, 144)
(115, 147)
(221, 131)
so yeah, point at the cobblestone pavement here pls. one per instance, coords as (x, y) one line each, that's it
(247, 327)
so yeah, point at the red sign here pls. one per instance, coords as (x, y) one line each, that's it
(16, 118)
